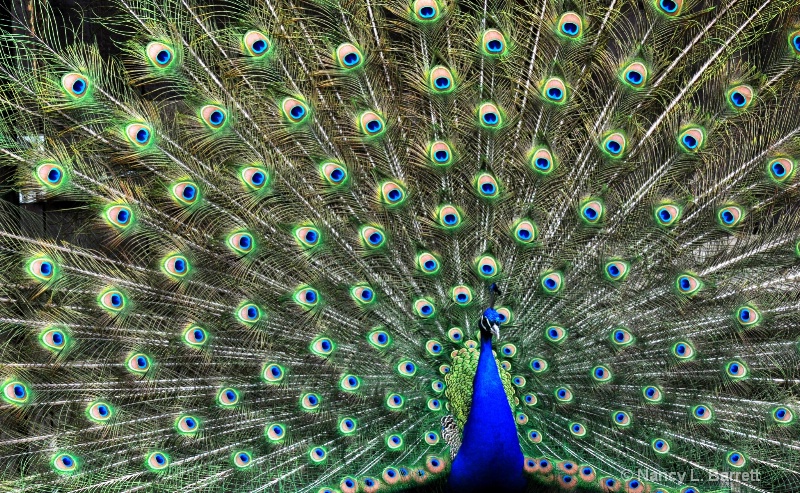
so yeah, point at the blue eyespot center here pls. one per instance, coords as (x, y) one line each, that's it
(58, 338)
(53, 175)
(734, 368)
(727, 216)
(689, 141)
(116, 300)
(613, 270)
(681, 349)
(610, 483)
(337, 175)
(659, 444)
(685, 284)
(567, 479)
(244, 458)
(180, 265)
(396, 399)
(325, 344)
(587, 471)
(230, 395)
(461, 297)
(373, 126)
(382, 338)
(159, 459)
(311, 297)
(542, 163)
(550, 283)
(668, 6)
(395, 439)
(352, 381)
(634, 77)
(619, 335)
(590, 213)
(259, 46)
(701, 411)
(46, 268)
(796, 42)
(738, 99)
(600, 373)
(366, 294)
(257, 178)
(312, 399)
(665, 215)
(275, 371)
(78, 86)
(744, 314)
(395, 195)
(450, 219)
(426, 309)
(650, 392)
(141, 362)
(442, 82)
(490, 118)
(252, 312)
(348, 423)
(311, 236)
(277, 430)
(427, 12)
(19, 391)
(778, 169)
(544, 463)
(487, 269)
(620, 417)
(122, 216)
(163, 57)
(562, 393)
(351, 59)
(634, 484)
(297, 111)
(188, 192)
(375, 238)
(613, 146)
(349, 483)
(441, 156)
(67, 461)
(780, 413)
(494, 46)
(524, 234)
(142, 135)
(554, 93)
(735, 457)
(391, 473)
(570, 28)
(487, 188)
(244, 242)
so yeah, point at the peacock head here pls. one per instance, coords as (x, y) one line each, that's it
(490, 323)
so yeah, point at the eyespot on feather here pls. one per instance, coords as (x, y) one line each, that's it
(635, 75)
(294, 110)
(541, 161)
(51, 175)
(493, 43)
(248, 313)
(139, 134)
(740, 97)
(554, 90)
(348, 56)
(440, 153)
(157, 461)
(426, 10)
(371, 124)
(256, 44)
(489, 116)
(75, 85)
(448, 217)
(440, 80)
(120, 217)
(160, 55)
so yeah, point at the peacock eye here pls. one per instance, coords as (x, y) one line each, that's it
(273, 373)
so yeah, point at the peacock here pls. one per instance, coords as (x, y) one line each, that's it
(339, 246)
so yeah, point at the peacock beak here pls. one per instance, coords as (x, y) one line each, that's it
(496, 331)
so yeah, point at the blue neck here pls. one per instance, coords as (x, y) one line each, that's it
(490, 458)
